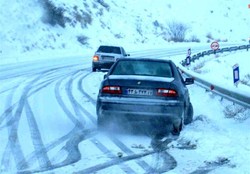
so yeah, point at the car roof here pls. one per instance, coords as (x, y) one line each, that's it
(145, 59)
(109, 46)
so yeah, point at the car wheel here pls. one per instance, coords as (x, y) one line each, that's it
(189, 114)
(93, 69)
(177, 128)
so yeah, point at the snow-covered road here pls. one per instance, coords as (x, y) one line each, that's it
(48, 124)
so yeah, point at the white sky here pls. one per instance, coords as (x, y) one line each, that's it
(214, 137)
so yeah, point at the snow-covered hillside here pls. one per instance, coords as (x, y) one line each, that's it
(68, 27)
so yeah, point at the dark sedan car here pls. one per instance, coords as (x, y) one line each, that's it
(145, 90)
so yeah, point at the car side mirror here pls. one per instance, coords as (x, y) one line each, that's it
(105, 76)
(189, 81)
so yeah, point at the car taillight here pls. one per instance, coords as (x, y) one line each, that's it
(95, 58)
(167, 92)
(112, 89)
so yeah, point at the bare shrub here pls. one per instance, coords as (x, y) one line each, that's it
(156, 23)
(198, 66)
(194, 38)
(237, 112)
(83, 18)
(104, 4)
(53, 15)
(119, 36)
(100, 12)
(209, 36)
(139, 27)
(82, 39)
(177, 31)
(246, 80)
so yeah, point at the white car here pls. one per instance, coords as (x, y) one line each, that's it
(106, 56)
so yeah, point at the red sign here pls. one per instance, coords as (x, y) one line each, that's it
(248, 5)
(215, 45)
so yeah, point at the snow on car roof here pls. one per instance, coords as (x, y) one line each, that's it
(140, 77)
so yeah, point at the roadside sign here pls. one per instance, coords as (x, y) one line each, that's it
(236, 74)
(248, 5)
(189, 52)
(188, 58)
(215, 45)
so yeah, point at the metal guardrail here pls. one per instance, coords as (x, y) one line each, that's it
(209, 52)
(233, 96)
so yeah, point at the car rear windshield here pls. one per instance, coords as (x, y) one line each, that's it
(145, 67)
(109, 49)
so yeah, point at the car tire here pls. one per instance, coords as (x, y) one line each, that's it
(93, 69)
(177, 129)
(189, 115)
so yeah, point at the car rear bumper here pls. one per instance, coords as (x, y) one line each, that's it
(134, 109)
(105, 65)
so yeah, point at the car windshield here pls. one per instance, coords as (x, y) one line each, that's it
(143, 67)
(109, 49)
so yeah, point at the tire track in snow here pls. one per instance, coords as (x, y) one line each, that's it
(69, 137)
(80, 82)
(5, 161)
(78, 108)
(143, 164)
(10, 88)
(40, 150)
(64, 107)
(10, 149)
(110, 155)
(13, 146)
(72, 139)
(28, 70)
(114, 162)
(75, 136)
(43, 84)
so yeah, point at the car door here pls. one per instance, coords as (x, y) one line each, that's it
(186, 92)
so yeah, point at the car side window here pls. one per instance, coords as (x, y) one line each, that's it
(123, 51)
(116, 50)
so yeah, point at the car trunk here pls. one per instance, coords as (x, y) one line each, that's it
(140, 87)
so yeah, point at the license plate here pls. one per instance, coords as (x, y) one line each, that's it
(139, 92)
(108, 58)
